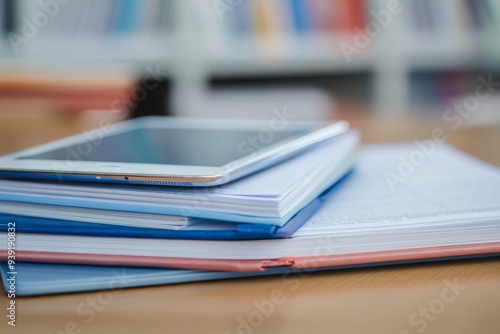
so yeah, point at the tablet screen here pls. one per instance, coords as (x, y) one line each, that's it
(193, 147)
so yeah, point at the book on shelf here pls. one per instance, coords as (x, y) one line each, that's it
(3, 18)
(107, 30)
(99, 18)
(446, 24)
(401, 203)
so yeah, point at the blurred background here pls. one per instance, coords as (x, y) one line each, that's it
(67, 65)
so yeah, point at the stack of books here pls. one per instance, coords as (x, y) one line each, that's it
(312, 212)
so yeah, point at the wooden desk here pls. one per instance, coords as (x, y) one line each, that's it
(389, 300)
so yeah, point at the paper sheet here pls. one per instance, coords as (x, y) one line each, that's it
(447, 185)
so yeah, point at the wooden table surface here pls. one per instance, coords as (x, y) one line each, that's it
(448, 297)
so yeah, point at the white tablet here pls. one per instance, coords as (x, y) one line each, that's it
(169, 151)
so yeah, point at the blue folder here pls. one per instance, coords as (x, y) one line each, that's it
(231, 231)
(42, 279)
(157, 209)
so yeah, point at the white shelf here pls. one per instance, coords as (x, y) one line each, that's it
(315, 54)
(137, 48)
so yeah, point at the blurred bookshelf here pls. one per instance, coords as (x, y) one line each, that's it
(400, 55)
(112, 31)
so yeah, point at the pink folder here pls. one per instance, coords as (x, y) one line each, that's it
(308, 262)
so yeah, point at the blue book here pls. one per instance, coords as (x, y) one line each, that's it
(299, 15)
(126, 16)
(202, 230)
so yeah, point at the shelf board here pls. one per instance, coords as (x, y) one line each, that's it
(289, 67)
(131, 49)
(315, 54)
